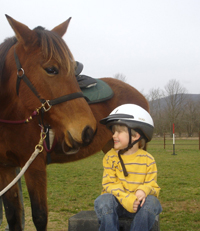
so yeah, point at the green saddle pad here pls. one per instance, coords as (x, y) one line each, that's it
(98, 93)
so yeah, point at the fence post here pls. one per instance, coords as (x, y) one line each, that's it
(199, 140)
(164, 140)
(173, 141)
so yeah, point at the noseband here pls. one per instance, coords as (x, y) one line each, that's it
(46, 104)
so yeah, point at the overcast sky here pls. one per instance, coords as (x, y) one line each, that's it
(148, 41)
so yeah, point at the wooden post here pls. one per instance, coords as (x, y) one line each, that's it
(173, 140)
(164, 140)
(199, 140)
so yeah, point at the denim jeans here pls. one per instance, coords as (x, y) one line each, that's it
(108, 211)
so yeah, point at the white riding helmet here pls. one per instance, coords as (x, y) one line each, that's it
(132, 116)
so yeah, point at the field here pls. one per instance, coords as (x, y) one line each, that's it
(73, 187)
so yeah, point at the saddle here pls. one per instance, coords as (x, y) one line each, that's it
(94, 90)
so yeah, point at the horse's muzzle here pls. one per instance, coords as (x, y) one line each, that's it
(87, 136)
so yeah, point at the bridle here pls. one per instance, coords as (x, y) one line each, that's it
(46, 104)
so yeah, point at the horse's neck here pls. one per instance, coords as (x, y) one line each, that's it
(10, 106)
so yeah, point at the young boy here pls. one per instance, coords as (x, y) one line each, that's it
(129, 182)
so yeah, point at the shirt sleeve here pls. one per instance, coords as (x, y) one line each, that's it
(150, 186)
(111, 184)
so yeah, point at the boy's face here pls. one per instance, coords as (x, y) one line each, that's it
(120, 137)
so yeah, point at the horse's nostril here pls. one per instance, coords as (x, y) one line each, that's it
(87, 135)
(74, 144)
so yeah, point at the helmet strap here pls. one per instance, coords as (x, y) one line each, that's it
(122, 151)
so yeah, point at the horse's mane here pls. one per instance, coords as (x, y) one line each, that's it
(52, 46)
(4, 48)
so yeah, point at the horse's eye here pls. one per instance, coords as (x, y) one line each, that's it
(51, 70)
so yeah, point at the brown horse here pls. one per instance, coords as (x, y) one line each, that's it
(37, 83)
(36, 174)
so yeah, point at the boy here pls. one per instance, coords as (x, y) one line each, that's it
(130, 173)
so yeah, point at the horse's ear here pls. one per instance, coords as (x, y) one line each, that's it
(62, 28)
(22, 32)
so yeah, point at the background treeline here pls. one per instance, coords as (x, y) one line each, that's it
(174, 105)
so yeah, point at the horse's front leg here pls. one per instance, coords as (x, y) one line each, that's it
(1, 211)
(36, 183)
(12, 200)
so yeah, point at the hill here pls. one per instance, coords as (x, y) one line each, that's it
(195, 98)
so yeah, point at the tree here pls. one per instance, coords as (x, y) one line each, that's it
(120, 77)
(175, 101)
(191, 118)
(156, 110)
(173, 105)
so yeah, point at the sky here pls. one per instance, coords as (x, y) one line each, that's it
(150, 42)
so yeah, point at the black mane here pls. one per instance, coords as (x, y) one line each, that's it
(4, 48)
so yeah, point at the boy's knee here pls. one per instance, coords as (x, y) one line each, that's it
(105, 199)
(152, 205)
(105, 204)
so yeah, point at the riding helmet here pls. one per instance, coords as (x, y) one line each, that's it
(132, 116)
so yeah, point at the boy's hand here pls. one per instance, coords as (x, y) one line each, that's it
(135, 205)
(140, 194)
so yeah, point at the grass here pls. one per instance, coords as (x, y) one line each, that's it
(178, 176)
(73, 187)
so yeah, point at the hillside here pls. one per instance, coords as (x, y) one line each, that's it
(188, 98)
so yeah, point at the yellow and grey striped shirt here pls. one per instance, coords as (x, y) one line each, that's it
(142, 174)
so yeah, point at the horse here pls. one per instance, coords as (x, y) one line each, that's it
(37, 87)
(93, 140)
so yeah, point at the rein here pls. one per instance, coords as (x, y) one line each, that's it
(38, 149)
(35, 113)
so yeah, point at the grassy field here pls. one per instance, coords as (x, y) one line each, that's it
(73, 187)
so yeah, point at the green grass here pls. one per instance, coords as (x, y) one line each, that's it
(178, 177)
(74, 186)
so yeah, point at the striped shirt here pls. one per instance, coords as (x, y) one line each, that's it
(142, 174)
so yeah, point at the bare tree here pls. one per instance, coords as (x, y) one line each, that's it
(175, 102)
(191, 118)
(156, 109)
(173, 105)
(120, 77)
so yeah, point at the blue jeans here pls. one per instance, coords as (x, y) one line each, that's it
(108, 211)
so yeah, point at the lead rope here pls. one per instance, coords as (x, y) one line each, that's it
(38, 149)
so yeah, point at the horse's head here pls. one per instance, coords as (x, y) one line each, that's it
(48, 64)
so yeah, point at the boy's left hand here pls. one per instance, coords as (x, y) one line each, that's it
(140, 194)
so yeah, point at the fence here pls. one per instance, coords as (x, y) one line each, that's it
(166, 141)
